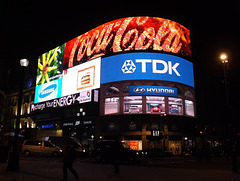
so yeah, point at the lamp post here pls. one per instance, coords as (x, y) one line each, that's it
(13, 162)
(224, 59)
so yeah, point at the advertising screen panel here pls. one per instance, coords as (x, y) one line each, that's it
(67, 70)
(81, 77)
(146, 66)
(69, 100)
(48, 91)
(128, 34)
(50, 65)
(74, 80)
(153, 90)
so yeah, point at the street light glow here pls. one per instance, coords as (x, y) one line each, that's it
(224, 57)
(24, 62)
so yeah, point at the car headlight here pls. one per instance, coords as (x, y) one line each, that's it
(137, 153)
(60, 151)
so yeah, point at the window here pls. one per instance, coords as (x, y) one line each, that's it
(132, 104)
(29, 143)
(26, 99)
(155, 104)
(189, 108)
(126, 89)
(47, 144)
(112, 105)
(189, 94)
(175, 106)
(111, 91)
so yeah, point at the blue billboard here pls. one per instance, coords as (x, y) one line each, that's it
(146, 66)
(153, 90)
(48, 91)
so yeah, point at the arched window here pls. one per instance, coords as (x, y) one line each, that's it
(188, 94)
(126, 89)
(179, 91)
(112, 90)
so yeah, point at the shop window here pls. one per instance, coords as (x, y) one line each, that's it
(111, 91)
(189, 107)
(179, 91)
(112, 105)
(126, 89)
(26, 99)
(189, 94)
(132, 104)
(155, 104)
(175, 106)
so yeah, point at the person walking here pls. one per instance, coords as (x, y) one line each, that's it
(115, 156)
(68, 157)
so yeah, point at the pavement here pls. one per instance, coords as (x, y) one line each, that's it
(166, 169)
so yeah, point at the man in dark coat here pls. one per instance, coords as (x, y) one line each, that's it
(115, 156)
(68, 157)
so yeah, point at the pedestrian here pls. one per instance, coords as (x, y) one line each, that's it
(68, 157)
(115, 156)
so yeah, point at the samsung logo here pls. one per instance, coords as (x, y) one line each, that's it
(47, 91)
(139, 90)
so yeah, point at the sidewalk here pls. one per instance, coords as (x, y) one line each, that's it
(52, 171)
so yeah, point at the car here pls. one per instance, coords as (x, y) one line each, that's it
(174, 111)
(61, 142)
(104, 151)
(134, 109)
(155, 108)
(31, 147)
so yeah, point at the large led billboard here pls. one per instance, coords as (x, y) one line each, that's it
(147, 66)
(81, 77)
(77, 79)
(128, 34)
(134, 48)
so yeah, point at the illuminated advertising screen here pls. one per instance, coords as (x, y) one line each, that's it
(146, 66)
(117, 51)
(69, 100)
(152, 90)
(80, 78)
(47, 91)
(128, 34)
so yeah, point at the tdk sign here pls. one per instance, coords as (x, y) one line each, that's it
(158, 66)
(153, 91)
(146, 66)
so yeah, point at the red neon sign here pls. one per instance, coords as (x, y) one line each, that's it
(133, 145)
(128, 34)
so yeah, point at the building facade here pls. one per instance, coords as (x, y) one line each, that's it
(130, 79)
(27, 125)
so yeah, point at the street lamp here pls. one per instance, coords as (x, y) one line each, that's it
(13, 162)
(224, 59)
(24, 62)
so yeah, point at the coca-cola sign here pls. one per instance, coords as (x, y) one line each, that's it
(128, 34)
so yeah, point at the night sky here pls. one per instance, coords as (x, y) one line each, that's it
(30, 28)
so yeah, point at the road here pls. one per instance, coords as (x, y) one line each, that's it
(166, 169)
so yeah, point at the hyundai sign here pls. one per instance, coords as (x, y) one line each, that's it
(146, 66)
(153, 91)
